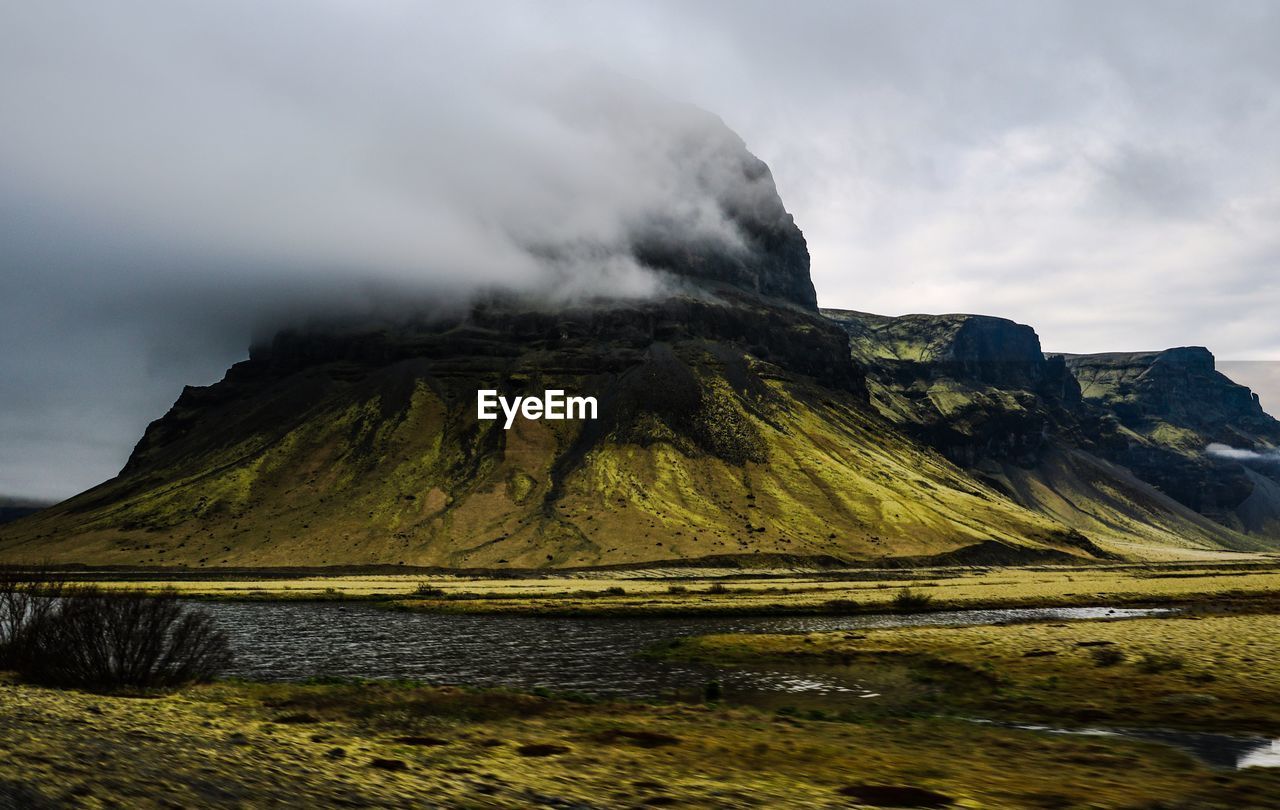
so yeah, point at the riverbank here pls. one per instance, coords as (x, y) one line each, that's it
(917, 716)
(1217, 673)
(366, 745)
(1250, 582)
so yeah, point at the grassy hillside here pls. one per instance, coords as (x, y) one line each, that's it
(734, 430)
(701, 450)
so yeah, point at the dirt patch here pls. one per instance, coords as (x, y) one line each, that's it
(389, 764)
(415, 740)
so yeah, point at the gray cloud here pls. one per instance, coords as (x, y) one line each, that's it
(314, 159)
(1226, 451)
(173, 172)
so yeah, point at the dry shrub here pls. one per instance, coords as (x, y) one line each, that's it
(909, 600)
(60, 634)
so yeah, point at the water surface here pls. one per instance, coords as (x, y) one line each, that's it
(596, 656)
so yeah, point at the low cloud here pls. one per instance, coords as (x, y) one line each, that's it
(179, 156)
(1226, 451)
(176, 177)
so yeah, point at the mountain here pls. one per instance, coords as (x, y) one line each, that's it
(724, 430)
(1114, 446)
(733, 425)
(737, 424)
(1185, 427)
(13, 508)
(972, 386)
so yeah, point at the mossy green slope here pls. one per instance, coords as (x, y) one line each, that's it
(702, 450)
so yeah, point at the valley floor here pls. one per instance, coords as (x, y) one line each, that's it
(387, 744)
(1247, 579)
(252, 745)
(941, 727)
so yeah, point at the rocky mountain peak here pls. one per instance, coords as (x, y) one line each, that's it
(1180, 386)
(681, 195)
(765, 254)
(977, 348)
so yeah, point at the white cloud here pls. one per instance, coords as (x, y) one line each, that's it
(1242, 454)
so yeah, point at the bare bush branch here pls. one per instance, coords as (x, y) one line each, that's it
(63, 635)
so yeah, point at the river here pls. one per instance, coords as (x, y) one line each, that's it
(594, 656)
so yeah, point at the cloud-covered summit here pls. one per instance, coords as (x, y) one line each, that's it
(304, 168)
(169, 171)
(176, 176)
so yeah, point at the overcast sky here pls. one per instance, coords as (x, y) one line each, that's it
(172, 171)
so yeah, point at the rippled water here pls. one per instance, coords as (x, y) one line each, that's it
(596, 656)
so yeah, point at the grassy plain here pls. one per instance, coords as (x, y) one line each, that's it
(1244, 578)
(915, 743)
(1214, 673)
(391, 745)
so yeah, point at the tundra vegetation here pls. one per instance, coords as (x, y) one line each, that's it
(1213, 667)
(1244, 579)
(386, 744)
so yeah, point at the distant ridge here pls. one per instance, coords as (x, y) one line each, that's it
(13, 508)
(1114, 445)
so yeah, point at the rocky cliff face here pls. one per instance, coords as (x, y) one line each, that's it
(772, 260)
(975, 387)
(1168, 408)
(499, 345)
(1066, 434)
(1179, 387)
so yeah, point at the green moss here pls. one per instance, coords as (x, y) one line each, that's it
(1202, 674)
(250, 743)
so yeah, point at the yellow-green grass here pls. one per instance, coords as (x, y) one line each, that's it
(399, 474)
(1250, 579)
(253, 745)
(1206, 673)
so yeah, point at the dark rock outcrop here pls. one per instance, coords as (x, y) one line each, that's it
(975, 387)
(484, 344)
(980, 390)
(1167, 408)
(773, 258)
(1180, 387)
